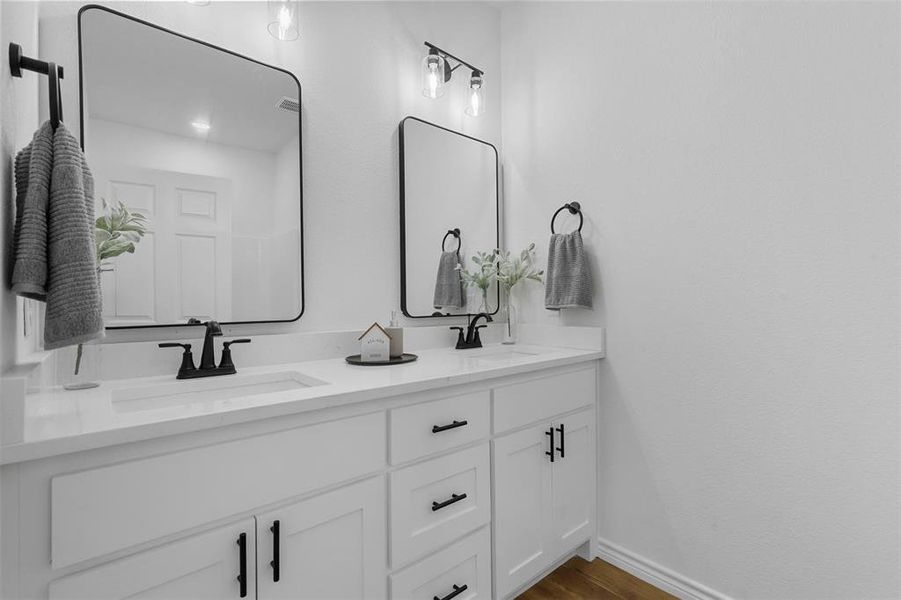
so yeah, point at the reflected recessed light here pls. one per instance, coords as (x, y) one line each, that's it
(200, 126)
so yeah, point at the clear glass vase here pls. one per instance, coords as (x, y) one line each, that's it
(78, 367)
(511, 321)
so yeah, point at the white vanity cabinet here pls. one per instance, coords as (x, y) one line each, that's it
(544, 485)
(446, 491)
(201, 567)
(329, 546)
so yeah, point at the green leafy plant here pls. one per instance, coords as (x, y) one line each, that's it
(117, 231)
(512, 270)
(484, 273)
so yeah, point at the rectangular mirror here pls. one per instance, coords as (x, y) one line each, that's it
(205, 144)
(448, 211)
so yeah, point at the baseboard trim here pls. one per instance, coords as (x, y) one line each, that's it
(657, 575)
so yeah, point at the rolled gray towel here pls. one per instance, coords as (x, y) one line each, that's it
(448, 284)
(568, 276)
(55, 254)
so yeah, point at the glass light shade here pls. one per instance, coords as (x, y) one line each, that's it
(283, 20)
(475, 105)
(433, 75)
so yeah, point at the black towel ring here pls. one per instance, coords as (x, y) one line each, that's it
(454, 232)
(573, 208)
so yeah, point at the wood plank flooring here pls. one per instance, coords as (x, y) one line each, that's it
(578, 579)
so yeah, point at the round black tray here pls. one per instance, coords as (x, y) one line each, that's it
(397, 360)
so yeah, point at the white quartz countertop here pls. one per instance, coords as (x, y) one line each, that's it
(122, 411)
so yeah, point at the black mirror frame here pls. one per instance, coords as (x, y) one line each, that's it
(403, 228)
(87, 7)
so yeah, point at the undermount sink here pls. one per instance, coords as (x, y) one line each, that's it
(503, 354)
(221, 388)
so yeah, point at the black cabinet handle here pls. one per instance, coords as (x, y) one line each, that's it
(448, 502)
(275, 562)
(454, 425)
(458, 589)
(242, 573)
(550, 452)
(562, 440)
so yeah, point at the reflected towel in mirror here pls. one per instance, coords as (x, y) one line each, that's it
(448, 284)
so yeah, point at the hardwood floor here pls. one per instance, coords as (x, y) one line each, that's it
(578, 579)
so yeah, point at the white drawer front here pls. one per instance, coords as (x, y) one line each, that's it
(466, 563)
(539, 399)
(418, 522)
(103, 510)
(431, 427)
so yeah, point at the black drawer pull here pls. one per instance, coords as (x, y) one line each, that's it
(562, 441)
(454, 425)
(242, 573)
(550, 452)
(458, 589)
(448, 502)
(275, 562)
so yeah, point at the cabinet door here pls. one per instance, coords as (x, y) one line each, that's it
(203, 566)
(573, 481)
(522, 507)
(330, 546)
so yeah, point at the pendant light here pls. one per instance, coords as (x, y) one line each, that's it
(433, 74)
(475, 107)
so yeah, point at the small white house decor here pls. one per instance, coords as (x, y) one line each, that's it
(375, 344)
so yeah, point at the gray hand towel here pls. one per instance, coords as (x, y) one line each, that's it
(448, 284)
(568, 276)
(54, 237)
(33, 166)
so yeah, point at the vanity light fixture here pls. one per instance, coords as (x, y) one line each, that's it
(437, 71)
(283, 20)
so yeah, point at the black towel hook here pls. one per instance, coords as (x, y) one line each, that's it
(18, 62)
(573, 208)
(454, 232)
(56, 109)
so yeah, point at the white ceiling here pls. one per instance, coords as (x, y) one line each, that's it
(140, 75)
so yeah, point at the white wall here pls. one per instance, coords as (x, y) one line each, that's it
(358, 64)
(738, 167)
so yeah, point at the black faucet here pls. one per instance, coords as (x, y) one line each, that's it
(471, 339)
(208, 366)
(208, 356)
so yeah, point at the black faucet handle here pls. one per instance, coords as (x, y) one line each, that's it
(187, 358)
(174, 345)
(226, 361)
(225, 345)
(460, 339)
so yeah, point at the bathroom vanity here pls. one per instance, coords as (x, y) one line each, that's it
(464, 475)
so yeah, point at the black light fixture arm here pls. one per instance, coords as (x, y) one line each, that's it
(447, 55)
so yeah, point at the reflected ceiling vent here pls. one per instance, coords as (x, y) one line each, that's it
(288, 104)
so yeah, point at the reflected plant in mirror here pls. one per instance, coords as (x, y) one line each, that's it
(511, 271)
(482, 277)
(117, 231)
